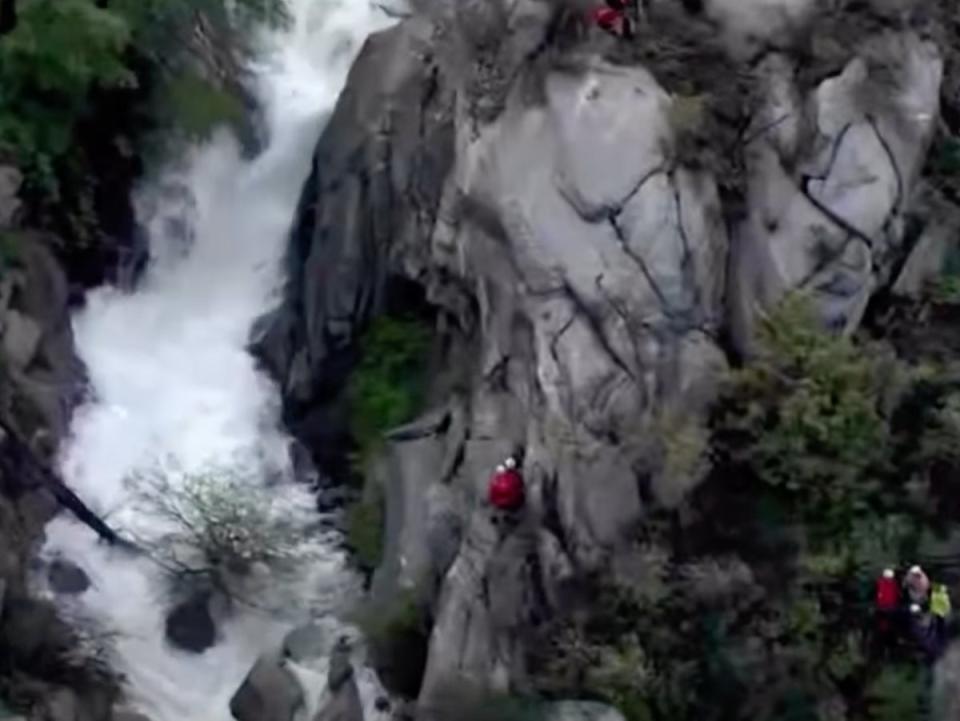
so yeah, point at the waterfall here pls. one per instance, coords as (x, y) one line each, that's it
(173, 386)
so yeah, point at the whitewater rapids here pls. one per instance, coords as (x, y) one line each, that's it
(172, 383)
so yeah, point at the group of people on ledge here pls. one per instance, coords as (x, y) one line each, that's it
(912, 609)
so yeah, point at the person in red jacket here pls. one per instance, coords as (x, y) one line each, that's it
(887, 606)
(612, 17)
(506, 492)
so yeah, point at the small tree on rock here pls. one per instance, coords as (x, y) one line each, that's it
(223, 527)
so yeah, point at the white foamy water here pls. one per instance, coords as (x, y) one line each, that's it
(173, 384)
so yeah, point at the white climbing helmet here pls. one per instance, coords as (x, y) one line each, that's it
(888, 573)
(501, 468)
(511, 463)
(915, 570)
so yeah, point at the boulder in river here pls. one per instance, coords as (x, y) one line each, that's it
(66, 577)
(269, 693)
(190, 625)
(343, 703)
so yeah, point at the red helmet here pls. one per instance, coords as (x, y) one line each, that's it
(506, 489)
(606, 17)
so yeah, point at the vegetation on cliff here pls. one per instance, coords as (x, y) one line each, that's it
(831, 460)
(85, 86)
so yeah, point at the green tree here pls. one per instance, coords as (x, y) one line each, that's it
(385, 389)
(808, 415)
(57, 53)
(178, 64)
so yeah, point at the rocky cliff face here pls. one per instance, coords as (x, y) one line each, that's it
(42, 665)
(597, 228)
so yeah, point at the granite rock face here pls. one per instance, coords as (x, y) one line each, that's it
(533, 182)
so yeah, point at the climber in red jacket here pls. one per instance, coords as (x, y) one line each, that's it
(506, 492)
(887, 605)
(612, 17)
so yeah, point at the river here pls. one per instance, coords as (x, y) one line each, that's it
(173, 388)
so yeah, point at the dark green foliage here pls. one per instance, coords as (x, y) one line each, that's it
(365, 531)
(946, 156)
(196, 107)
(898, 693)
(398, 634)
(386, 386)
(9, 250)
(808, 416)
(466, 703)
(146, 64)
(49, 64)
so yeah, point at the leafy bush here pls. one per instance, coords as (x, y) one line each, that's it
(59, 51)
(385, 388)
(897, 694)
(365, 525)
(66, 61)
(398, 634)
(9, 250)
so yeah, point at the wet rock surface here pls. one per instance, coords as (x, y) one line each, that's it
(589, 277)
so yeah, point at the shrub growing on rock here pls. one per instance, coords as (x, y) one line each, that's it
(223, 526)
(385, 388)
(365, 525)
(398, 634)
(808, 416)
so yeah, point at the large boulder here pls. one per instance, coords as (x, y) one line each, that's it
(343, 700)
(827, 203)
(66, 577)
(269, 693)
(190, 625)
(42, 373)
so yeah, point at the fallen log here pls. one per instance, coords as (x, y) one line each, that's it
(18, 458)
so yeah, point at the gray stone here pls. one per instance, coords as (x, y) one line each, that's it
(306, 643)
(408, 472)
(344, 702)
(269, 693)
(21, 338)
(129, 716)
(834, 227)
(49, 386)
(62, 705)
(343, 705)
(581, 711)
(341, 669)
(67, 577)
(190, 625)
